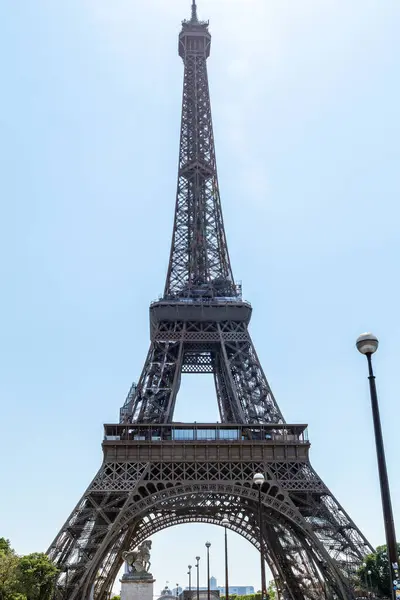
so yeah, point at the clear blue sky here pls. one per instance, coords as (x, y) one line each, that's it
(305, 105)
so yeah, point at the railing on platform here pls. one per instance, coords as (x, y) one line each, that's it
(206, 432)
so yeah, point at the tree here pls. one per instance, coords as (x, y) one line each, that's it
(116, 598)
(8, 570)
(5, 546)
(379, 578)
(271, 590)
(36, 576)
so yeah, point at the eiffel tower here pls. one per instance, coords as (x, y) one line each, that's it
(157, 473)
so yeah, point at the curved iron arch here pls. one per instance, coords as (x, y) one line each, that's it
(273, 499)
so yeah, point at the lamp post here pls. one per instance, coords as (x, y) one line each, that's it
(365, 572)
(177, 589)
(369, 583)
(367, 344)
(190, 577)
(225, 524)
(208, 570)
(259, 479)
(197, 582)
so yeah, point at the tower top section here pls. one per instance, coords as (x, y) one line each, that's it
(194, 37)
(199, 266)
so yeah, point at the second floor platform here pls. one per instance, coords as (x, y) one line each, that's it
(205, 441)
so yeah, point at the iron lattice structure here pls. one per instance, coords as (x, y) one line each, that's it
(155, 473)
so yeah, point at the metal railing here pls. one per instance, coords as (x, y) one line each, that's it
(206, 432)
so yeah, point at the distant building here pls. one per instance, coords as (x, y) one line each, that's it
(166, 594)
(177, 591)
(216, 592)
(239, 590)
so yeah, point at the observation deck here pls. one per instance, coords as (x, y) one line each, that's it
(205, 441)
(200, 310)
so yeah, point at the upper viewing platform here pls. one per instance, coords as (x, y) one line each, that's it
(200, 306)
(194, 37)
(204, 302)
(200, 310)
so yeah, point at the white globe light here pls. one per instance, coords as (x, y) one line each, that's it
(367, 343)
(258, 479)
(225, 521)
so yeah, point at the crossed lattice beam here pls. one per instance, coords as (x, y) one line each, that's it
(222, 348)
(306, 540)
(199, 252)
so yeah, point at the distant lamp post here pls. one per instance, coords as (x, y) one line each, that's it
(368, 344)
(369, 583)
(177, 589)
(190, 577)
(208, 570)
(365, 574)
(197, 577)
(225, 524)
(259, 479)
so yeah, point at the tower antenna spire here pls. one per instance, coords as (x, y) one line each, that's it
(194, 12)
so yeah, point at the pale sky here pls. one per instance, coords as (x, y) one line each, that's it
(305, 97)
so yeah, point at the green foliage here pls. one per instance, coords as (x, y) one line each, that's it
(271, 590)
(36, 575)
(29, 577)
(378, 580)
(8, 570)
(116, 598)
(5, 546)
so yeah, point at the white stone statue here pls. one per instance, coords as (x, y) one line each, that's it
(139, 560)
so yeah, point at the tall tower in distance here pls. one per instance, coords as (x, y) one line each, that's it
(200, 325)
(157, 473)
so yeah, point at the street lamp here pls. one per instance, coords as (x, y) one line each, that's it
(208, 570)
(225, 524)
(367, 344)
(369, 583)
(177, 589)
(197, 582)
(365, 572)
(259, 479)
(190, 577)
